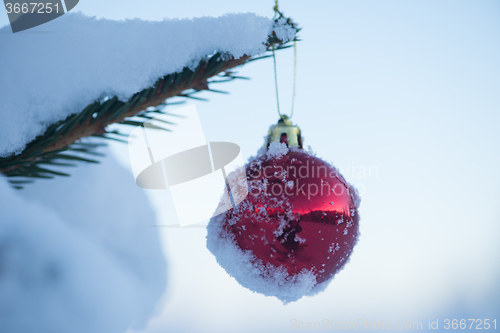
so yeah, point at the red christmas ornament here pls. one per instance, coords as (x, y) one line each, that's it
(296, 228)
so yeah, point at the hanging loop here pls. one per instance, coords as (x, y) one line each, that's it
(276, 83)
(294, 75)
(276, 12)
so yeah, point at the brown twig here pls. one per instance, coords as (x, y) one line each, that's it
(88, 128)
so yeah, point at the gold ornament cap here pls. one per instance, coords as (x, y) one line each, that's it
(285, 132)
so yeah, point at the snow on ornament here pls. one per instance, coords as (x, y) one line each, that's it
(296, 228)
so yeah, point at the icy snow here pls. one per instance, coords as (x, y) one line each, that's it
(251, 273)
(277, 149)
(57, 69)
(77, 254)
(283, 31)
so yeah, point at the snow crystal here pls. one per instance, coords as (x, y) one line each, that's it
(299, 239)
(355, 193)
(72, 260)
(283, 31)
(310, 151)
(52, 75)
(280, 228)
(277, 149)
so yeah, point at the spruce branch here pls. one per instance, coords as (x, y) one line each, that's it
(60, 144)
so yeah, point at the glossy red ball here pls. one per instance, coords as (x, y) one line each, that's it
(300, 214)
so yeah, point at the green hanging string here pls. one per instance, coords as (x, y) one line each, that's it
(276, 83)
(294, 74)
(276, 12)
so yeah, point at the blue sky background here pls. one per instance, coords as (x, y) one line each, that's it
(408, 88)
